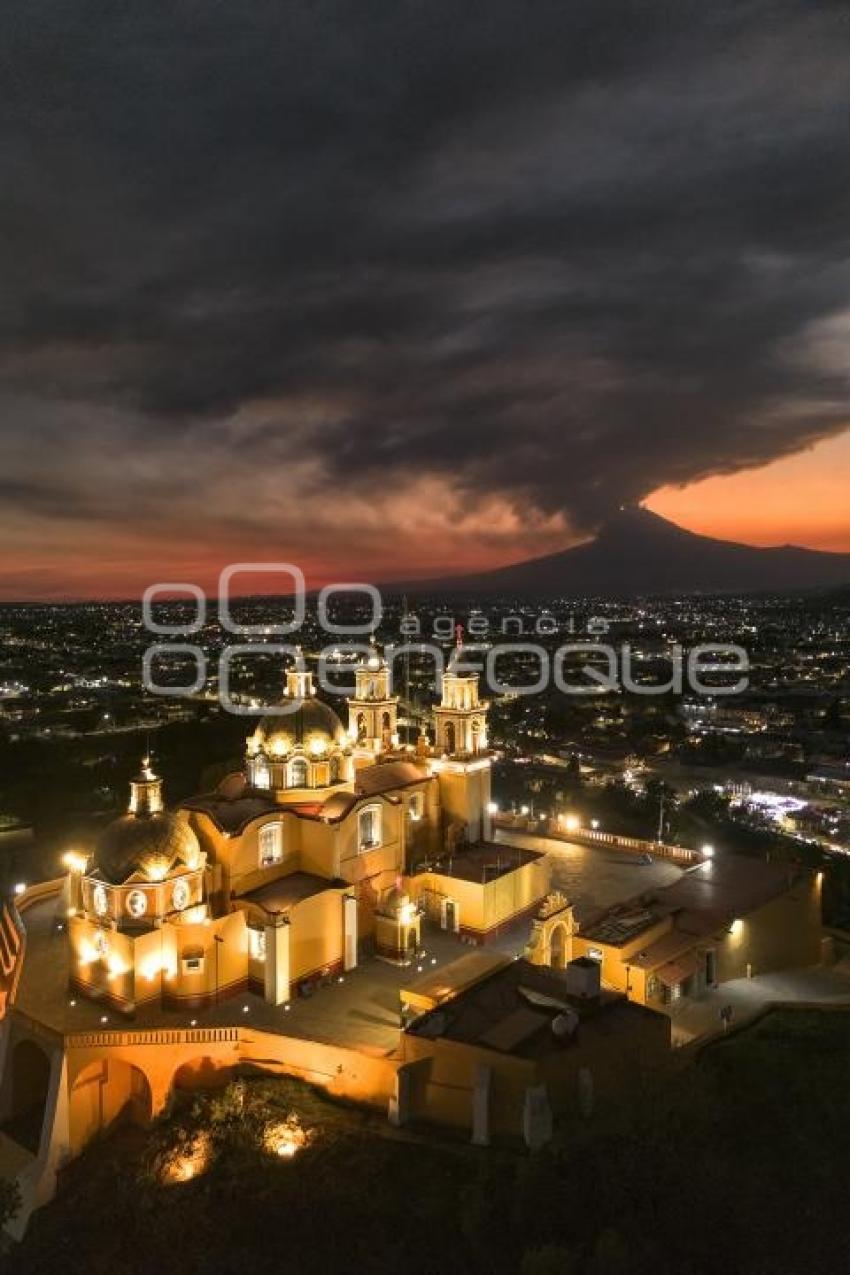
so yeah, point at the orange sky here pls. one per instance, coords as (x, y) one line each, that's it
(802, 499)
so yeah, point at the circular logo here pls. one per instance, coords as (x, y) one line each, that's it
(137, 903)
(180, 895)
(100, 899)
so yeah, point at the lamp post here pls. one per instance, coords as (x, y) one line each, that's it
(217, 939)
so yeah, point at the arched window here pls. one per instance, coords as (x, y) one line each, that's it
(450, 737)
(298, 773)
(361, 727)
(271, 844)
(416, 806)
(262, 778)
(369, 828)
(476, 734)
(335, 769)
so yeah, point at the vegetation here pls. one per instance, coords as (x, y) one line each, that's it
(733, 1162)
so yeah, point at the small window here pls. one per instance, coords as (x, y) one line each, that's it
(271, 844)
(262, 778)
(335, 772)
(369, 828)
(193, 962)
(595, 954)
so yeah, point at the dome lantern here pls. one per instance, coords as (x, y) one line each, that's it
(145, 791)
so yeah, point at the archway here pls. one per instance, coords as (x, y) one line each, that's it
(30, 1083)
(450, 737)
(106, 1091)
(558, 948)
(361, 727)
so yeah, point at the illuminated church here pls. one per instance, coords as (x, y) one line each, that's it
(330, 842)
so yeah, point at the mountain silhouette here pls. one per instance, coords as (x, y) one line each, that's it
(638, 552)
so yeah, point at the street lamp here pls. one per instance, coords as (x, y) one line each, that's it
(218, 940)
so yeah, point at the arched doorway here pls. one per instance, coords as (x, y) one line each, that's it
(30, 1083)
(450, 737)
(361, 727)
(558, 948)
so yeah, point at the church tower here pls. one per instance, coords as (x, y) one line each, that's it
(373, 711)
(461, 717)
(464, 763)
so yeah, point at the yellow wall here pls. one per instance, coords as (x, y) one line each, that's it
(147, 964)
(428, 888)
(464, 797)
(316, 939)
(616, 959)
(785, 933)
(483, 907)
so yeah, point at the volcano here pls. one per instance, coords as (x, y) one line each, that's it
(638, 552)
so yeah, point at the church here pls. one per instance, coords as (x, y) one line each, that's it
(332, 842)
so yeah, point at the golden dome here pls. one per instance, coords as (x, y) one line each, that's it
(153, 845)
(314, 727)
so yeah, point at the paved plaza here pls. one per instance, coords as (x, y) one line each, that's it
(595, 877)
(360, 1010)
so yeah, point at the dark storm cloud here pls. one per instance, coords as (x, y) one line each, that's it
(566, 252)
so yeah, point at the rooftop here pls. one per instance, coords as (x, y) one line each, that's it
(230, 814)
(703, 900)
(511, 1011)
(484, 861)
(386, 776)
(279, 895)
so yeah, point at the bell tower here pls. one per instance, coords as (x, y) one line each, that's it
(373, 711)
(462, 761)
(461, 717)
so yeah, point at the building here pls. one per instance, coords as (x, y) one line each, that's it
(725, 918)
(505, 1053)
(328, 846)
(290, 870)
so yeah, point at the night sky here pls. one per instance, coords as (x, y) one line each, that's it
(402, 288)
